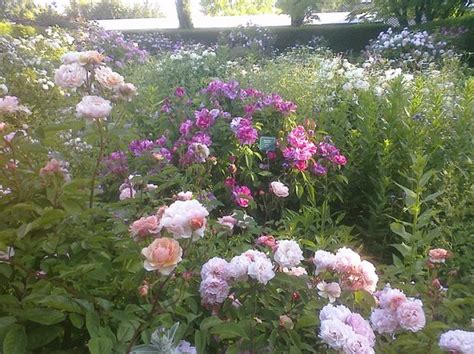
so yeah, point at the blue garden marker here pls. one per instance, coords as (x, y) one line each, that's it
(267, 143)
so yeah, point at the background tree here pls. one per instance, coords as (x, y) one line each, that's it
(300, 11)
(183, 7)
(112, 9)
(237, 7)
(409, 10)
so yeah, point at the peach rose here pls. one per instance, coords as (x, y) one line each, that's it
(438, 255)
(108, 78)
(143, 227)
(91, 57)
(163, 255)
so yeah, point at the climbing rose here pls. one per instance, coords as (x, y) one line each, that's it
(163, 255)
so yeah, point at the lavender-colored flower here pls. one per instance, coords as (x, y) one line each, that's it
(139, 147)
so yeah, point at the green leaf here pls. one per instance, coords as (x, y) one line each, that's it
(144, 349)
(399, 229)
(403, 248)
(229, 330)
(76, 320)
(200, 341)
(61, 302)
(42, 335)
(15, 341)
(426, 177)
(92, 323)
(100, 345)
(125, 332)
(306, 321)
(7, 321)
(43, 316)
(432, 196)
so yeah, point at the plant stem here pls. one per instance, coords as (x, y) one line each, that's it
(99, 159)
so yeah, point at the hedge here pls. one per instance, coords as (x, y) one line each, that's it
(339, 37)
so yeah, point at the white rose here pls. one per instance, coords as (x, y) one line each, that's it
(261, 269)
(288, 253)
(108, 78)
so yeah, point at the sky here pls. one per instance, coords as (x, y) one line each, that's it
(168, 7)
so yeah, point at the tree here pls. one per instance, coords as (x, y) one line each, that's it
(300, 11)
(406, 10)
(111, 9)
(237, 7)
(183, 7)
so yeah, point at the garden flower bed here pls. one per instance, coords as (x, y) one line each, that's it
(197, 200)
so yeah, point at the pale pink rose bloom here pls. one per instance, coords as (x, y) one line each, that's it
(330, 312)
(391, 298)
(3, 126)
(438, 255)
(70, 57)
(163, 255)
(362, 327)
(279, 189)
(335, 333)
(92, 57)
(324, 261)
(411, 316)
(238, 267)
(10, 104)
(52, 167)
(288, 253)
(108, 78)
(150, 187)
(261, 270)
(347, 260)
(144, 227)
(457, 341)
(216, 267)
(185, 219)
(369, 276)
(227, 221)
(70, 76)
(127, 193)
(93, 107)
(267, 241)
(384, 321)
(253, 255)
(295, 271)
(126, 90)
(185, 196)
(329, 291)
(213, 291)
(357, 344)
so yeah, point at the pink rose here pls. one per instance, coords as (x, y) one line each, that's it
(267, 241)
(227, 221)
(329, 291)
(213, 291)
(93, 107)
(438, 255)
(411, 316)
(10, 104)
(163, 255)
(91, 57)
(70, 75)
(279, 189)
(362, 327)
(144, 227)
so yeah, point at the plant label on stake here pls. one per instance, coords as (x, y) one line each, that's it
(267, 143)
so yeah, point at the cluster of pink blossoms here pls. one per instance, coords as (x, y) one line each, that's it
(218, 275)
(185, 218)
(397, 312)
(457, 342)
(244, 131)
(301, 151)
(346, 331)
(354, 273)
(11, 105)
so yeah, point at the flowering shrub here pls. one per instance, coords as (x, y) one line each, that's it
(414, 49)
(248, 38)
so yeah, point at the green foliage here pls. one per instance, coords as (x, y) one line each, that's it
(237, 8)
(299, 11)
(112, 9)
